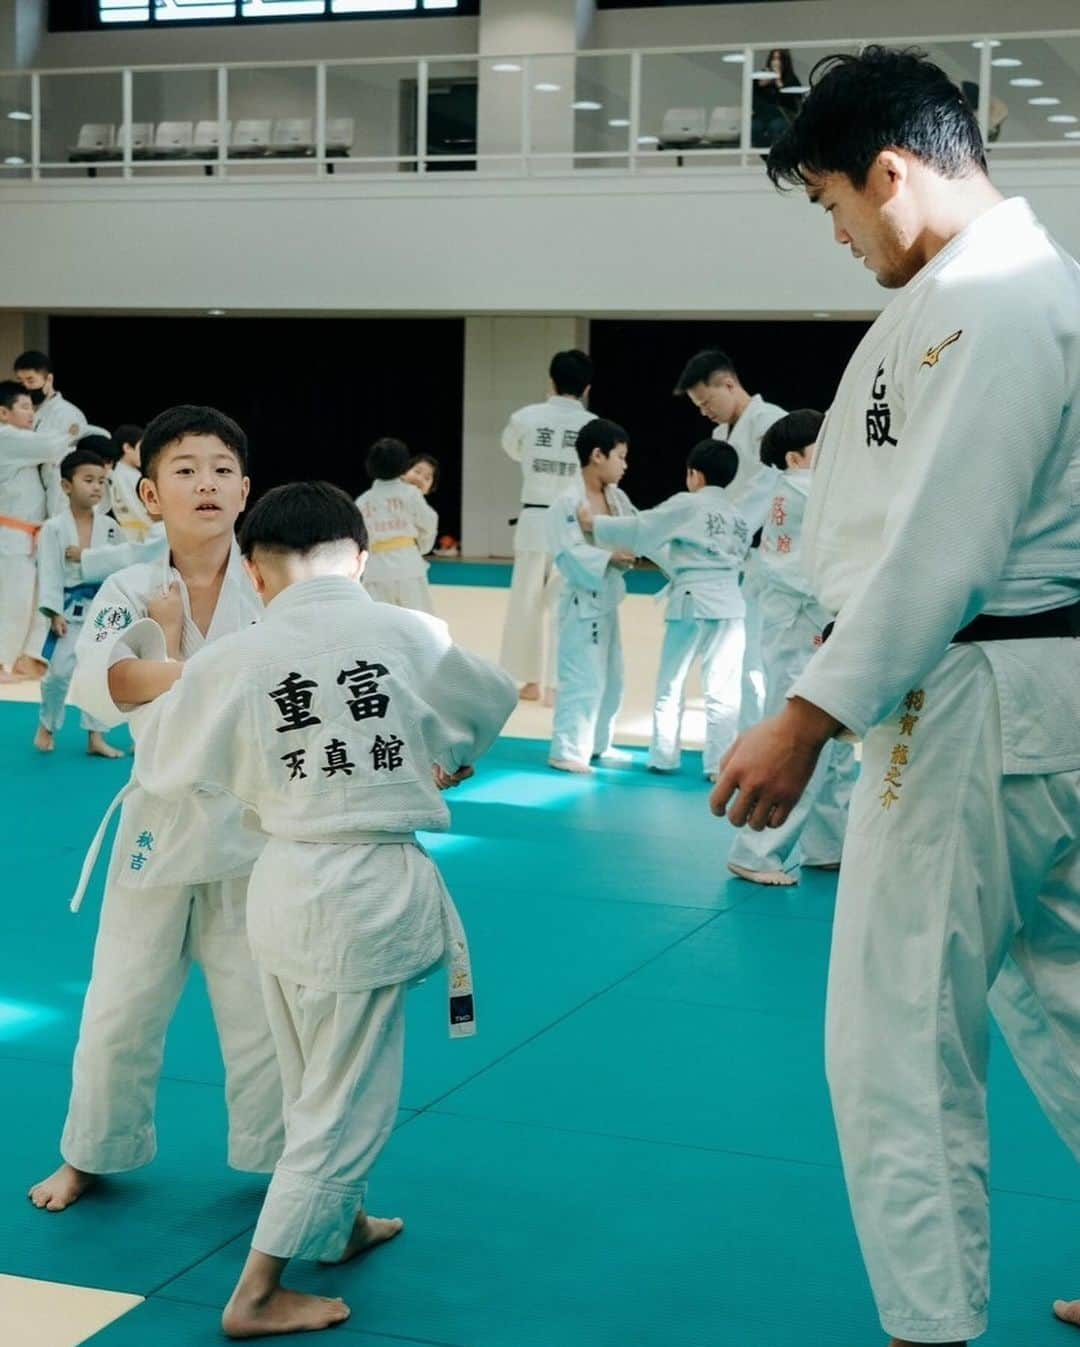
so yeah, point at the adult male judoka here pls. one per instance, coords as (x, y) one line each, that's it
(944, 528)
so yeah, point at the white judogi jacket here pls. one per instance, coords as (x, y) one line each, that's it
(592, 584)
(541, 437)
(745, 438)
(28, 461)
(947, 484)
(201, 838)
(131, 514)
(701, 541)
(401, 527)
(57, 416)
(62, 586)
(781, 534)
(326, 719)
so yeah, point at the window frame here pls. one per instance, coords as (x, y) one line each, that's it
(80, 16)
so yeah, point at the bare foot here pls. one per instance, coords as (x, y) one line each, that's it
(28, 666)
(43, 740)
(774, 878)
(1068, 1311)
(530, 692)
(9, 676)
(280, 1311)
(99, 747)
(565, 765)
(368, 1233)
(60, 1190)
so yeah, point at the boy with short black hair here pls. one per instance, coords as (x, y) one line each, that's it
(338, 720)
(701, 540)
(590, 671)
(401, 526)
(64, 593)
(792, 624)
(125, 501)
(423, 473)
(177, 884)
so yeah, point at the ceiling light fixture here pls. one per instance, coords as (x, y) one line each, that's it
(14, 160)
(990, 42)
(505, 68)
(735, 58)
(795, 89)
(547, 88)
(216, 313)
(1045, 102)
(1064, 119)
(618, 121)
(587, 105)
(1006, 62)
(19, 116)
(1025, 82)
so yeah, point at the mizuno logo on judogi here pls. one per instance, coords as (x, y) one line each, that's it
(933, 353)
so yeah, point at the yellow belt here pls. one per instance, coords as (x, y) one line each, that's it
(392, 544)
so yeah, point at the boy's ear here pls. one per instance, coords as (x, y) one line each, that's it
(148, 494)
(255, 575)
(361, 564)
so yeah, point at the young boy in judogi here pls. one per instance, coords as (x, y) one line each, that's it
(541, 438)
(64, 593)
(402, 528)
(124, 499)
(792, 626)
(423, 473)
(590, 651)
(29, 459)
(337, 720)
(177, 884)
(701, 540)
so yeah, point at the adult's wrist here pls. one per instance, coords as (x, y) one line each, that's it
(810, 724)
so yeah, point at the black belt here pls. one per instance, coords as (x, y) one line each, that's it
(528, 506)
(1054, 623)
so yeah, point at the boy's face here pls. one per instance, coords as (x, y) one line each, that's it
(611, 468)
(422, 476)
(20, 414)
(197, 487)
(131, 454)
(86, 487)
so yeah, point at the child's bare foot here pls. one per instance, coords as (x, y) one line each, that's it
(530, 692)
(1068, 1311)
(99, 747)
(43, 740)
(60, 1190)
(565, 765)
(280, 1311)
(368, 1233)
(775, 878)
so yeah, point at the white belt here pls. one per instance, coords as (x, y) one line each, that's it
(94, 850)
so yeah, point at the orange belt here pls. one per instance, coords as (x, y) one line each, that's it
(392, 544)
(20, 526)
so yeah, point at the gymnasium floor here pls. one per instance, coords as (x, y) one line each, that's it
(635, 1151)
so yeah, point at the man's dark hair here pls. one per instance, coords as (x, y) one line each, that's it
(10, 389)
(386, 459)
(599, 434)
(37, 361)
(301, 516)
(791, 434)
(700, 369)
(177, 422)
(571, 372)
(79, 458)
(126, 434)
(882, 99)
(101, 446)
(716, 460)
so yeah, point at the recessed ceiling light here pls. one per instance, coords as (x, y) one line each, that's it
(216, 313)
(14, 160)
(19, 116)
(991, 42)
(795, 89)
(735, 58)
(1025, 82)
(766, 75)
(648, 140)
(547, 88)
(1004, 62)
(1072, 135)
(505, 68)
(1063, 119)
(618, 121)
(587, 105)
(822, 315)
(1044, 102)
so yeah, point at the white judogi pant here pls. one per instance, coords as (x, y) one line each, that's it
(146, 943)
(404, 592)
(720, 643)
(18, 585)
(752, 702)
(955, 879)
(814, 830)
(55, 684)
(530, 641)
(590, 684)
(341, 1056)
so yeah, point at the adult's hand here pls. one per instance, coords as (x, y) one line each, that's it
(768, 767)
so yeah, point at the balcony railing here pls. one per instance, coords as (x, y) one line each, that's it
(637, 111)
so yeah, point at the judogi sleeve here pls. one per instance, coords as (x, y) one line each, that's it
(98, 563)
(24, 448)
(513, 438)
(579, 561)
(426, 521)
(201, 735)
(755, 501)
(469, 699)
(50, 569)
(981, 421)
(114, 628)
(646, 534)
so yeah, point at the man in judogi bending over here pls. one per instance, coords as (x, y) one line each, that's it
(943, 528)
